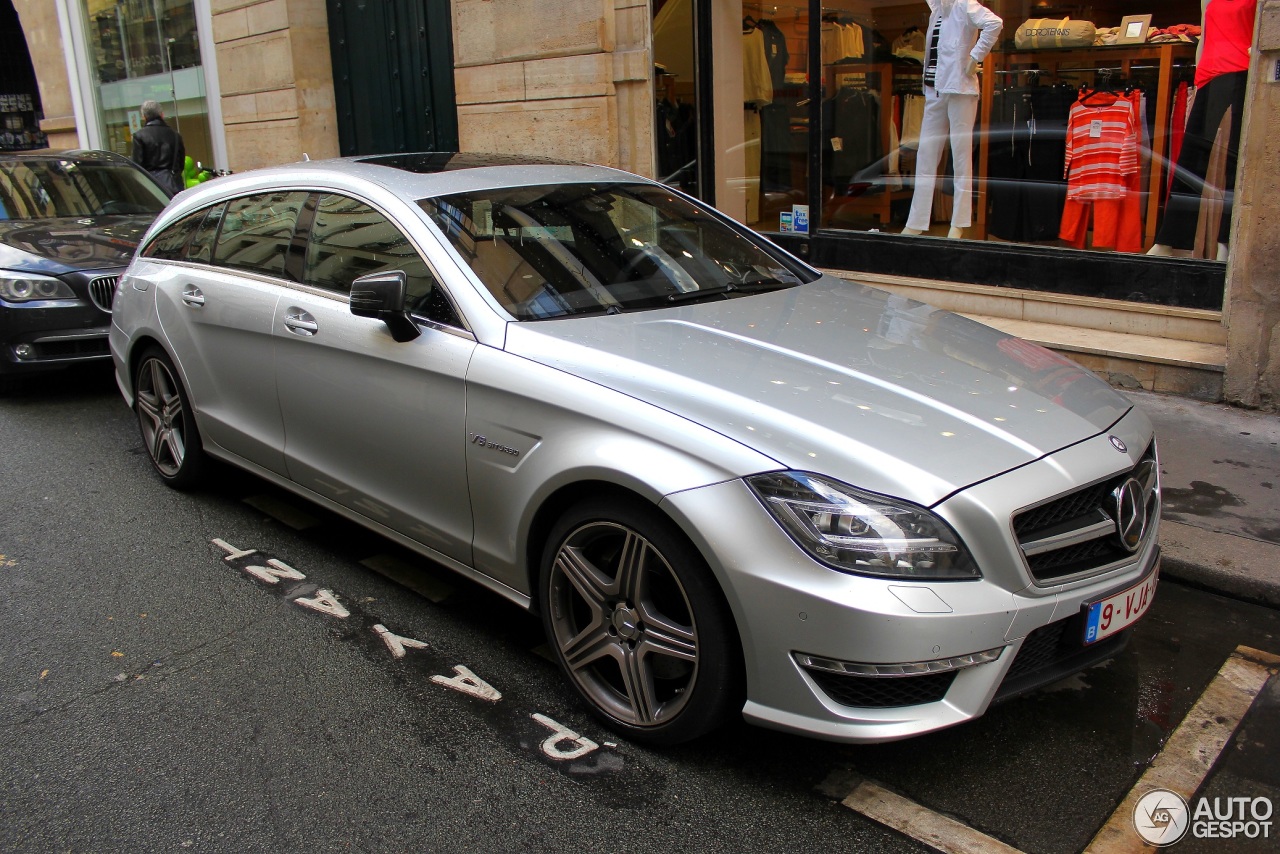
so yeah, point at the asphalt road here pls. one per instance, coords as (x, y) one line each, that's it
(161, 691)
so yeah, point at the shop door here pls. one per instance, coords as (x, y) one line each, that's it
(393, 75)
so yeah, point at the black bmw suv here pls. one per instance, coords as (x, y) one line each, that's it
(69, 223)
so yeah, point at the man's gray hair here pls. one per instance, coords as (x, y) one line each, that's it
(151, 110)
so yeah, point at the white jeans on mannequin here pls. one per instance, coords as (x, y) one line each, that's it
(945, 115)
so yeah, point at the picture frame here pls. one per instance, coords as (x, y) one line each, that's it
(1133, 29)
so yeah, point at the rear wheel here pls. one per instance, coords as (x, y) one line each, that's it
(638, 622)
(168, 425)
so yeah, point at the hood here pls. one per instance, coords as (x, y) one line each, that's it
(879, 391)
(66, 244)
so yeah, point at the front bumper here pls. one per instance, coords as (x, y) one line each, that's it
(788, 606)
(49, 334)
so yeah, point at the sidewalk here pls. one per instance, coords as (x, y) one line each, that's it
(1221, 479)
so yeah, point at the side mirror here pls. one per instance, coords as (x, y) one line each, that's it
(381, 296)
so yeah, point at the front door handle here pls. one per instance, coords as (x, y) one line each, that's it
(299, 322)
(193, 296)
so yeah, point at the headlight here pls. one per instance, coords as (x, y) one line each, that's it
(24, 287)
(863, 533)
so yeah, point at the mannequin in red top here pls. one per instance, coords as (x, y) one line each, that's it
(1222, 70)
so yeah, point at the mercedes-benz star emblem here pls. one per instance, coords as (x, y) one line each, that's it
(1130, 508)
(1118, 444)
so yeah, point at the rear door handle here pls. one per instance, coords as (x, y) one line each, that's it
(193, 296)
(299, 322)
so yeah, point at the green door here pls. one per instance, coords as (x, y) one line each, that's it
(393, 75)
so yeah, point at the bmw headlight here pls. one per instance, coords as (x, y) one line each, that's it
(25, 287)
(863, 533)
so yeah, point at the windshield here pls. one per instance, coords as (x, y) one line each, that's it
(569, 249)
(44, 189)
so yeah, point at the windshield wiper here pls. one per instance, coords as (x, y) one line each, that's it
(730, 290)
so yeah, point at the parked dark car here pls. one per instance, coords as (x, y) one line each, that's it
(69, 223)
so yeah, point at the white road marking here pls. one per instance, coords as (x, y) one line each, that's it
(397, 643)
(233, 553)
(1185, 760)
(274, 571)
(468, 683)
(920, 823)
(561, 733)
(1181, 766)
(326, 603)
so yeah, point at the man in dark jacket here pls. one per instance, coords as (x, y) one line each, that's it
(158, 148)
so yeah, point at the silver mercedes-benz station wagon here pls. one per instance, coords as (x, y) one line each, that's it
(727, 482)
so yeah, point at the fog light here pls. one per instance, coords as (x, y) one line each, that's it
(24, 351)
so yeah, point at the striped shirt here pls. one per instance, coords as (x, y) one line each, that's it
(931, 61)
(1102, 147)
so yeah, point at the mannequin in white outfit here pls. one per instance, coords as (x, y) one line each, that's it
(961, 33)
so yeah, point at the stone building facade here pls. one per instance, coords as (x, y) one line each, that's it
(575, 79)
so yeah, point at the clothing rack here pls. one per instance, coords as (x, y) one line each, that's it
(1163, 59)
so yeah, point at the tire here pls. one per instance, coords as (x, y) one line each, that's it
(638, 623)
(167, 421)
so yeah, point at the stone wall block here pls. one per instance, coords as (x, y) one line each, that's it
(256, 64)
(569, 77)
(631, 27)
(250, 146)
(230, 26)
(578, 129)
(218, 6)
(267, 17)
(490, 84)
(474, 23)
(487, 31)
(632, 65)
(1269, 26)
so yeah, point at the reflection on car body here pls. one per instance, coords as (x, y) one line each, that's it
(726, 482)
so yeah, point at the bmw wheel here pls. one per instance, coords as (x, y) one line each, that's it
(167, 421)
(638, 623)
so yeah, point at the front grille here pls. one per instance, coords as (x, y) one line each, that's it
(1042, 648)
(102, 291)
(1054, 652)
(870, 692)
(1076, 533)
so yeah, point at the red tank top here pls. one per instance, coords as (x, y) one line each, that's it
(1228, 32)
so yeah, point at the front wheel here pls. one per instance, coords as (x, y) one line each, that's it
(638, 623)
(167, 422)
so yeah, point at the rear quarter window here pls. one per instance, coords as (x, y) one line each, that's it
(171, 243)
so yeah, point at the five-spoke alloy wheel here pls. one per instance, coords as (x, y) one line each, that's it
(638, 623)
(167, 423)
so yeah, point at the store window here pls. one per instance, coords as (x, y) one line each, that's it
(148, 50)
(20, 111)
(1087, 125)
(675, 94)
(776, 115)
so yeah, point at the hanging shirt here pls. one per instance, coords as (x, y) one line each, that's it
(757, 84)
(1228, 33)
(1102, 147)
(854, 45)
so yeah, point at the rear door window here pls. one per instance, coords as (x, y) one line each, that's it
(257, 231)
